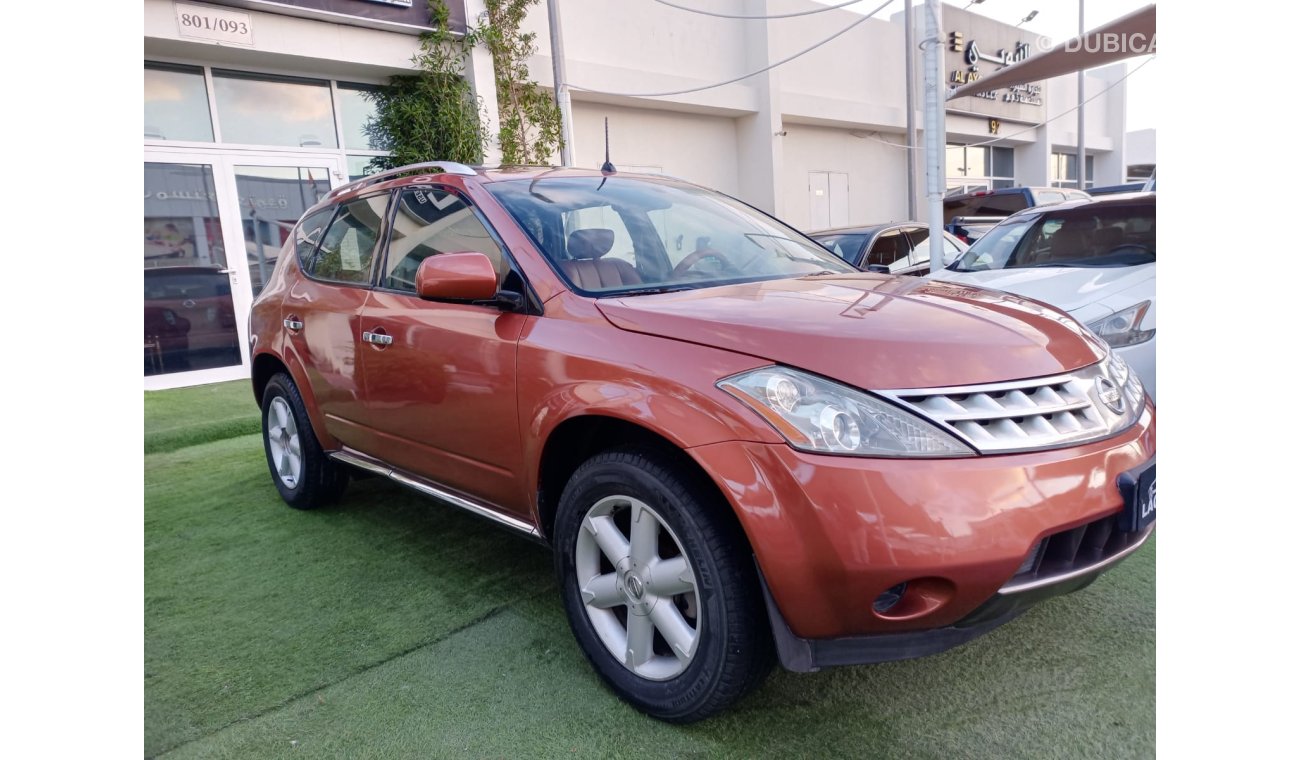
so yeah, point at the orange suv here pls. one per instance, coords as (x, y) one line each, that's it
(739, 447)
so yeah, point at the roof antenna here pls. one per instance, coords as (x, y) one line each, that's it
(607, 167)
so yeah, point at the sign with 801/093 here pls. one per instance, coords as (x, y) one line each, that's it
(201, 22)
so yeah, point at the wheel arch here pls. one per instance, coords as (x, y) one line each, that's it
(578, 438)
(267, 365)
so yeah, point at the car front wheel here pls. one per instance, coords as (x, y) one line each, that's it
(659, 586)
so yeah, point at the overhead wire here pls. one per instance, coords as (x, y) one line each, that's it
(703, 12)
(733, 80)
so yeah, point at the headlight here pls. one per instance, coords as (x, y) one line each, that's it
(818, 415)
(1123, 328)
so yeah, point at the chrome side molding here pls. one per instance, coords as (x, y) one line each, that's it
(370, 464)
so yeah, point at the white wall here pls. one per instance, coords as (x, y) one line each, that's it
(286, 44)
(694, 147)
(1140, 146)
(877, 179)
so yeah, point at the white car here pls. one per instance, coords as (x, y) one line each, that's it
(1095, 259)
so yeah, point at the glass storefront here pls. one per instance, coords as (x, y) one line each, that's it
(189, 314)
(232, 160)
(271, 200)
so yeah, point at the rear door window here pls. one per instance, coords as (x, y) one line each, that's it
(348, 248)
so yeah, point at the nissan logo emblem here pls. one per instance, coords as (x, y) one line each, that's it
(1110, 395)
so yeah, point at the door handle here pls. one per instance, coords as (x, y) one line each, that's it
(293, 323)
(377, 338)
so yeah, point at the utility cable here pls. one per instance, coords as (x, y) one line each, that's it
(779, 15)
(769, 67)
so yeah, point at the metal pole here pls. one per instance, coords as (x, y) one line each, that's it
(1082, 156)
(935, 129)
(561, 83)
(909, 64)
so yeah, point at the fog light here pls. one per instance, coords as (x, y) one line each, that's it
(888, 598)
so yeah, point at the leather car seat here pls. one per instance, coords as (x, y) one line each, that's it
(588, 270)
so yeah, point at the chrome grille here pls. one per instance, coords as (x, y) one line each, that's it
(1026, 415)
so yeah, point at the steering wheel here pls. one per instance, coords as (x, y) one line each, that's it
(1135, 248)
(685, 265)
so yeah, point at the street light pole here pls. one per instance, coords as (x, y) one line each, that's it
(935, 129)
(1082, 157)
(561, 83)
(909, 67)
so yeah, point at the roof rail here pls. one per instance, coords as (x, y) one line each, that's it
(448, 167)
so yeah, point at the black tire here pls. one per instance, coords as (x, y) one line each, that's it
(319, 480)
(733, 653)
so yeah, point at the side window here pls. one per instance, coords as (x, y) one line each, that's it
(348, 247)
(308, 235)
(889, 249)
(429, 222)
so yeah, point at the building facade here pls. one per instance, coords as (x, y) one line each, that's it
(256, 108)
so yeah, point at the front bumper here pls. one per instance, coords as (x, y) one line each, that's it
(806, 655)
(831, 534)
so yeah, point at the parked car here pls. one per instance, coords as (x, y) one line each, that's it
(1095, 259)
(971, 215)
(735, 442)
(896, 248)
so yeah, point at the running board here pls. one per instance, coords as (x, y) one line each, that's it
(369, 464)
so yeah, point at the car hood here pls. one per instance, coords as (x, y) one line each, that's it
(1078, 290)
(870, 331)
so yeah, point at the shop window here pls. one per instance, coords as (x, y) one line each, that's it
(176, 103)
(356, 108)
(1065, 170)
(256, 109)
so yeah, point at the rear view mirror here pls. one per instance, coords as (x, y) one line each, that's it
(464, 276)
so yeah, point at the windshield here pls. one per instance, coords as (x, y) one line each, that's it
(1086, 236)
(620, 235)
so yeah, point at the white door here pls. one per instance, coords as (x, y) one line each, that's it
(213, 225)
(819, 201)
(828, 200)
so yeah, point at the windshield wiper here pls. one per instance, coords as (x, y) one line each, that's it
(650, 291)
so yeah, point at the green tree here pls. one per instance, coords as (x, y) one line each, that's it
(433, 114)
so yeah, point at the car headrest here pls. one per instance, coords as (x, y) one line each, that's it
(591, 243)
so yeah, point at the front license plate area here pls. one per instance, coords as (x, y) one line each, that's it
(1138, 487)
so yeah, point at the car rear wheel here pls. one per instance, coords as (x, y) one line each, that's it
(659, 586)
(304, 475)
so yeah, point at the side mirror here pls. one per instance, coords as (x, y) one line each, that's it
(878, 268)
(464, 276)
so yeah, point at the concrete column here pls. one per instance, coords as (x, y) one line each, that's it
(1111, 166)
(757, 142)
(478, 69)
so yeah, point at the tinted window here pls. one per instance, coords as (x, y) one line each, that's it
(348, 247)
(889, 249)
(1089, 236)
(309, 233)
(431, 221)
(847, 247)
(985, 205)
(921, 245)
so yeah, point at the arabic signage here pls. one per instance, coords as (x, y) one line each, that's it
(975, 47)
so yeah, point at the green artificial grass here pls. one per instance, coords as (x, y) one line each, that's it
(189, 416)
(392, 626)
